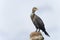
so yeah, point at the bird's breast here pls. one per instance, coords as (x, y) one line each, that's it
(33, 18)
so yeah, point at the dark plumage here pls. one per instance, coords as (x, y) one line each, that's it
(37, 21)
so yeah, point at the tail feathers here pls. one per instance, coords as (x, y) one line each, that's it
(46, 33)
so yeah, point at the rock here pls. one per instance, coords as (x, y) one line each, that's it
(36, 36)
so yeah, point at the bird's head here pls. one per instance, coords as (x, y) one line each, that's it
(34, 9)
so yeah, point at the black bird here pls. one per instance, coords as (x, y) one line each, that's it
(37, 21)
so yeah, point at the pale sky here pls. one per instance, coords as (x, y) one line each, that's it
(15, 22)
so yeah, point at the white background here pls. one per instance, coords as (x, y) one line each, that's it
(15, 22)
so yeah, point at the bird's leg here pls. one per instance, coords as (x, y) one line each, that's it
(39, 30)
(36, 30)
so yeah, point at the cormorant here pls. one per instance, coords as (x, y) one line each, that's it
(37, 21)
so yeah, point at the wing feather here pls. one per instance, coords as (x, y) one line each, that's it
(39, 20)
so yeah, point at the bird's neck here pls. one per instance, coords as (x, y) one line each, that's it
(32, 16)
(33, 12)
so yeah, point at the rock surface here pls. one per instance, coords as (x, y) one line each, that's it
(36, 36)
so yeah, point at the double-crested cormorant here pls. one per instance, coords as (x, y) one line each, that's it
(37, 21)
